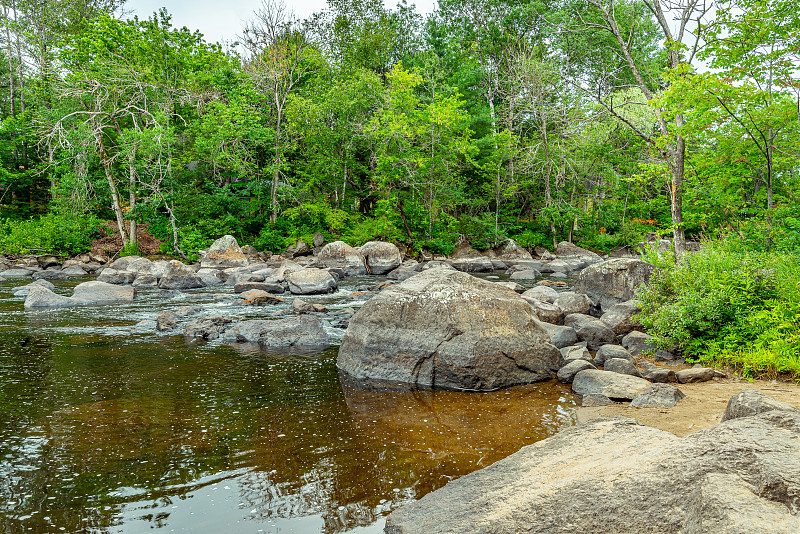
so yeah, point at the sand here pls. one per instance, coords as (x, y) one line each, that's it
(703, 406)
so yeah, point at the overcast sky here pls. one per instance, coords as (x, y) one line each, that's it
(223, 20)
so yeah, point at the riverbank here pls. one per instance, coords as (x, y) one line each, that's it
(702, 408)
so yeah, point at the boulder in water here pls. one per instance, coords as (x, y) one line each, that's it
(451, 330)
(380, 256)
(180, 276)
(340, 255)
(223, 253)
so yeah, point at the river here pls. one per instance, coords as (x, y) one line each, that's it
(107, 426)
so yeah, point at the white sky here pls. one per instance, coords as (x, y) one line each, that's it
(223, 20)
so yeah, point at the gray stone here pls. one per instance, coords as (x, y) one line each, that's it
(546, 312)
(449, 330)
(613, 281)
(165, 322)
(180, 276)
(481, 264)
(48, 260)
(17, 273)
(145, 280)
(690, 376)
(619, 365)
(750, 402)
(380, 256)
(50, 275)
(210, 277)
(527, 274)
(557, 266)
(565, 249)
(319, 240)
(658, 396)
(39, 297)
(560, 336)
(589, 329)
(269, 287)
(74, 270)
(132, 264)
(547, 294)
(658, 374)
(513, 286)
(511, 251)
(573, 303)
(400, 274)
(207, 328)
(593, 399)
(223, 253)
(525, 265)
(613, 385)
(295, 331)
(22, 291)
(576, 352)
(311, 282)
(342, 256)
(113, 276)
(613, 476)
(606, 352)
(96, 292)
(567, 373)
(637, 341)
(619, 317)
(258, 297)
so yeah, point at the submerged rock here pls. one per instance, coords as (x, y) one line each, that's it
(614, 476)
(450, 330)
(296, 331)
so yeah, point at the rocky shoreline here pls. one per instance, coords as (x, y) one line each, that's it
(433, 324)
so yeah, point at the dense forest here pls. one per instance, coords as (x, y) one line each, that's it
(594, 121)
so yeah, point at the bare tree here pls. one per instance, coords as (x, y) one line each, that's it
(279, 52)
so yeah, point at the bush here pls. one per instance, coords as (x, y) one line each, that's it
(54, 233)
(728, 305)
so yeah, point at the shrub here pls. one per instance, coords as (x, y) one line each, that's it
(54, 233)
(728, 305)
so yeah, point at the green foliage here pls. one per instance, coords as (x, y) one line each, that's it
(131, 249)
(52, 233)
(728, 305)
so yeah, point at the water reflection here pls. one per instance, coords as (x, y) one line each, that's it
(106, 426)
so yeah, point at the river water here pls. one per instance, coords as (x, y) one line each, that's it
(107, 426)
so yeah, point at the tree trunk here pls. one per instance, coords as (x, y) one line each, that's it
(273, 216)
(112, 185)
(676, 192)
(132, 193)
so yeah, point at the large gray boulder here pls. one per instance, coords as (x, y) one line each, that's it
(223, 253)
(589, 329)
(95, 292)
(567, 373)
(571, 302)
(750, 402)
(613, 281)
(85, 294)
(295, 331)
(613, 385)
(451, 330)
(22, 291)
(180, 276)
(614, 476)
(380, 256)
(340, 255)
(311, 282)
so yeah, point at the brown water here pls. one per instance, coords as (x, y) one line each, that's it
(106, 426)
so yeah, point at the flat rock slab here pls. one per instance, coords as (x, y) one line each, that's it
(612, 385)
(614, 476)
